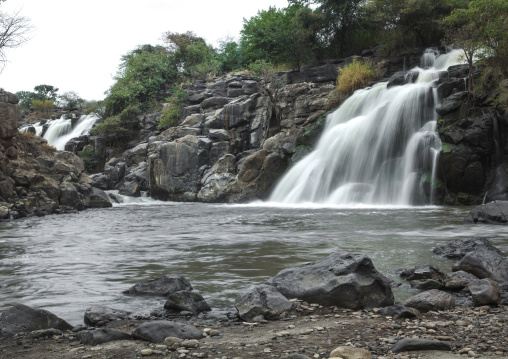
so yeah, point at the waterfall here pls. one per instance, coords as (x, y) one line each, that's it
(378, 148)
(60, 131)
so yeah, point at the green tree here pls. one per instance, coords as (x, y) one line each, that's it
(277, 36)
(193, 57)
(45, 92)
(229, 56)
(409, 23)
(143, 73)
(70, 100)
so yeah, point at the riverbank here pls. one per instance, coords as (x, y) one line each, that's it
(313, 333)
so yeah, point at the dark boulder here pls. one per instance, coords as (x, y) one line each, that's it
(484, 292)
(157, 331)
(484, 264)
(261, 302)
(99, 199)
(100, 336)
(342, 279)
(495, 212)
(451, 103)
(162, 286)
(397, 79)
(186, 300)
(458, 248)
(459, 280)
(22, 318)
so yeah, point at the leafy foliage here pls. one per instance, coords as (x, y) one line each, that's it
(118, 130)
(173, 108)
(143, 73)
(91, 159)
(279, 36)
(44, 106)
(355, 75)
(70, 100)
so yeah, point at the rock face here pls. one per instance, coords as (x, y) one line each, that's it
(22, 318)
(342, 279)
(261, 302)
(495, 212)
(34, 178)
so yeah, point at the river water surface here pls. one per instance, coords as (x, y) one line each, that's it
(67, 263)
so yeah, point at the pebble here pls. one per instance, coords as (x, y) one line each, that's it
(146, 352)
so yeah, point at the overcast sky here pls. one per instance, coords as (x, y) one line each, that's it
(76, 45)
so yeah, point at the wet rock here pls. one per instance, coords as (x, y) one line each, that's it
(350, 353)
(99, 199)
(451, 103)
(399, 312)
(261, 302)
(162, 286)
(397, 79)
(22, 318)
(185, 300)
(495, 212)
(412, 344)
(427, 284)
(157, 331)
(342, 279)
(484, 264)
(100, 336)
(431, 300)
(459, 280)
(485, 292)
(101, 313)
(458, 248)
(425, 272)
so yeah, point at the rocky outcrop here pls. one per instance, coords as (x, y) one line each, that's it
(341, 279)
(35, 179)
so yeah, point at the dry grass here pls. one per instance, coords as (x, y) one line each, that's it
(354, 76)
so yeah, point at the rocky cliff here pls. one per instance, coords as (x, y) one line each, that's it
(35, 179)
(237, 134)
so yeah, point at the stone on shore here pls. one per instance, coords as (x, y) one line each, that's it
(413, 344)
(484, 292)
(485, 263)
(433, 299)
(341, 279)
(157, 331)
(399, 312)
(185, 300)
(261, 302)
(459, 280)
(100, 336)
(99, 313)
(162, 286)
(350, 353)
(22, 318)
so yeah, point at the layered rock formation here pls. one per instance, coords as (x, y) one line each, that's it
(34, 178)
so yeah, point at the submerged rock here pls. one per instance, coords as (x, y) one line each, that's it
(162, 286)
(261, 302)
(341, 279)
(22, 318)
(495, 212)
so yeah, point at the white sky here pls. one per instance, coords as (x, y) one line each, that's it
(76, 45)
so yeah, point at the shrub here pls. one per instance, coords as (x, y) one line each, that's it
(44, 106)
(120, 129)
(91, 159)
(173, 108)
(354, 76)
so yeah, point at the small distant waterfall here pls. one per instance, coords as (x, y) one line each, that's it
(61, 130)
(379, 147)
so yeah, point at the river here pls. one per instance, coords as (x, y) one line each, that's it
(67, 263)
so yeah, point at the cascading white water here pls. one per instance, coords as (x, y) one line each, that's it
(61, 130)
(378, 147)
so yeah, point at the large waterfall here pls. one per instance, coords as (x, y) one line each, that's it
(59, 131)
(379, 147)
